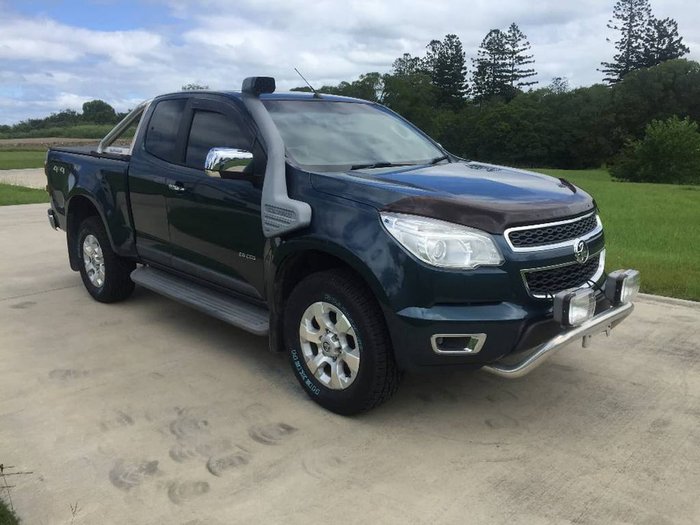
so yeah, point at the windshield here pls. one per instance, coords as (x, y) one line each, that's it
(335, 136)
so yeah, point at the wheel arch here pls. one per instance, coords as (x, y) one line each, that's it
(294, 263)
(78, 208)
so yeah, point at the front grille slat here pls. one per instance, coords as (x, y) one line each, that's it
(552, 234)
(554, 280)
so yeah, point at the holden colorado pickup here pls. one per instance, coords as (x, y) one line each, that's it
(333, 226)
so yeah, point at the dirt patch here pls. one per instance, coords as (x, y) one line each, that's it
(43, 143)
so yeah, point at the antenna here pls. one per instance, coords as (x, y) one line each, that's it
(316, 93)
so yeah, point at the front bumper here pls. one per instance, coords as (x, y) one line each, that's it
(507, 339)
(603, 322)
(505, 325)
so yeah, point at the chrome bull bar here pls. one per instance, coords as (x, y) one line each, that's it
(603, 322)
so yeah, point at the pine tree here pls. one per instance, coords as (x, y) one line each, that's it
(662, 42)
(407, 65)
(645, 40)
(500, 67)
(631, 19)
(491, 73)
(518, 59)
(446, 64)
(558, 85)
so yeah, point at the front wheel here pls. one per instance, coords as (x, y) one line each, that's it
(338, 343)
(106, 276)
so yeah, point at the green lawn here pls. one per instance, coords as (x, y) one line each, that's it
(83, 131)
(20, 158)
(10, 194)
(654, 228)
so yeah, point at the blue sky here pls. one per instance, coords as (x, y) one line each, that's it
(105, 15)
(59, 54)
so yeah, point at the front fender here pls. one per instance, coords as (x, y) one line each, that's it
(301, 245)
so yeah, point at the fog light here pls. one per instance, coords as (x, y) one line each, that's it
(574, 307)
(622, 286)
(457, 343)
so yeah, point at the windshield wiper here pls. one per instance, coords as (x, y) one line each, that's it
(372, 165)
(438, 159)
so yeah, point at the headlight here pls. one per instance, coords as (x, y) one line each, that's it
(441, 243)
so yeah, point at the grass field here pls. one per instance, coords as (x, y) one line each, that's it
(87, 131)
(654, 228)
(14, 159)
(10, 194)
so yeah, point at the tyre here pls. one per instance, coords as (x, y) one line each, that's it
(106, 276)
(338, 344)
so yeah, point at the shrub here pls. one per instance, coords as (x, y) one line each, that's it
(669, 153)
(7, 517)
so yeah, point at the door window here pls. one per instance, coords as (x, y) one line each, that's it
(161, 137)
(214, 130)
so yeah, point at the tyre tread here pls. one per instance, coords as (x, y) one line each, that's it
(387, 375)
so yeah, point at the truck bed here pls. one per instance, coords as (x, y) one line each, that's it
(90, 150)
(79, 174)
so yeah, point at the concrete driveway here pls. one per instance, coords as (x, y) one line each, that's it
(148, 412)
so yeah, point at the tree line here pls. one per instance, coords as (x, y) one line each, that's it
(501, 69)
(94, 112)
(494, 112)
(553, 126)
(491, 109)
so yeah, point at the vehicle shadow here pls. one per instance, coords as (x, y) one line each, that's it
(460, 396)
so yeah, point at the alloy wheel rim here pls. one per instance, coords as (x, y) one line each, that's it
(329, 345)
(94, 261)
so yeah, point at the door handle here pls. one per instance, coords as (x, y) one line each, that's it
(175, 186)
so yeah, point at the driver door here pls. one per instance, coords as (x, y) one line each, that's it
(215, 223)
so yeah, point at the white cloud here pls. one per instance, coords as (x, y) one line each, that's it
(47, 65)
(45, 40)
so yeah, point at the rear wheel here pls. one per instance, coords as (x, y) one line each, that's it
(338, 344)
(106, 276)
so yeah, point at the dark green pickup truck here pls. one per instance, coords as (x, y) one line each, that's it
(351, 239)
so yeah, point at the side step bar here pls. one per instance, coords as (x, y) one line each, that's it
(229, 309)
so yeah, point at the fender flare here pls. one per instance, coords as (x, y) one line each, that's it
(82, 194)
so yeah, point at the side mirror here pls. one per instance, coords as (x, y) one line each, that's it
(221, 161)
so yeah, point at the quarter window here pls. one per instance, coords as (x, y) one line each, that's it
(161, 137)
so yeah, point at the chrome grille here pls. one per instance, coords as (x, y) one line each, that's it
(545, 235)
(546, 282)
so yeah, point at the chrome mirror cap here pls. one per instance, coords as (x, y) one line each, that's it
(231, 160)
